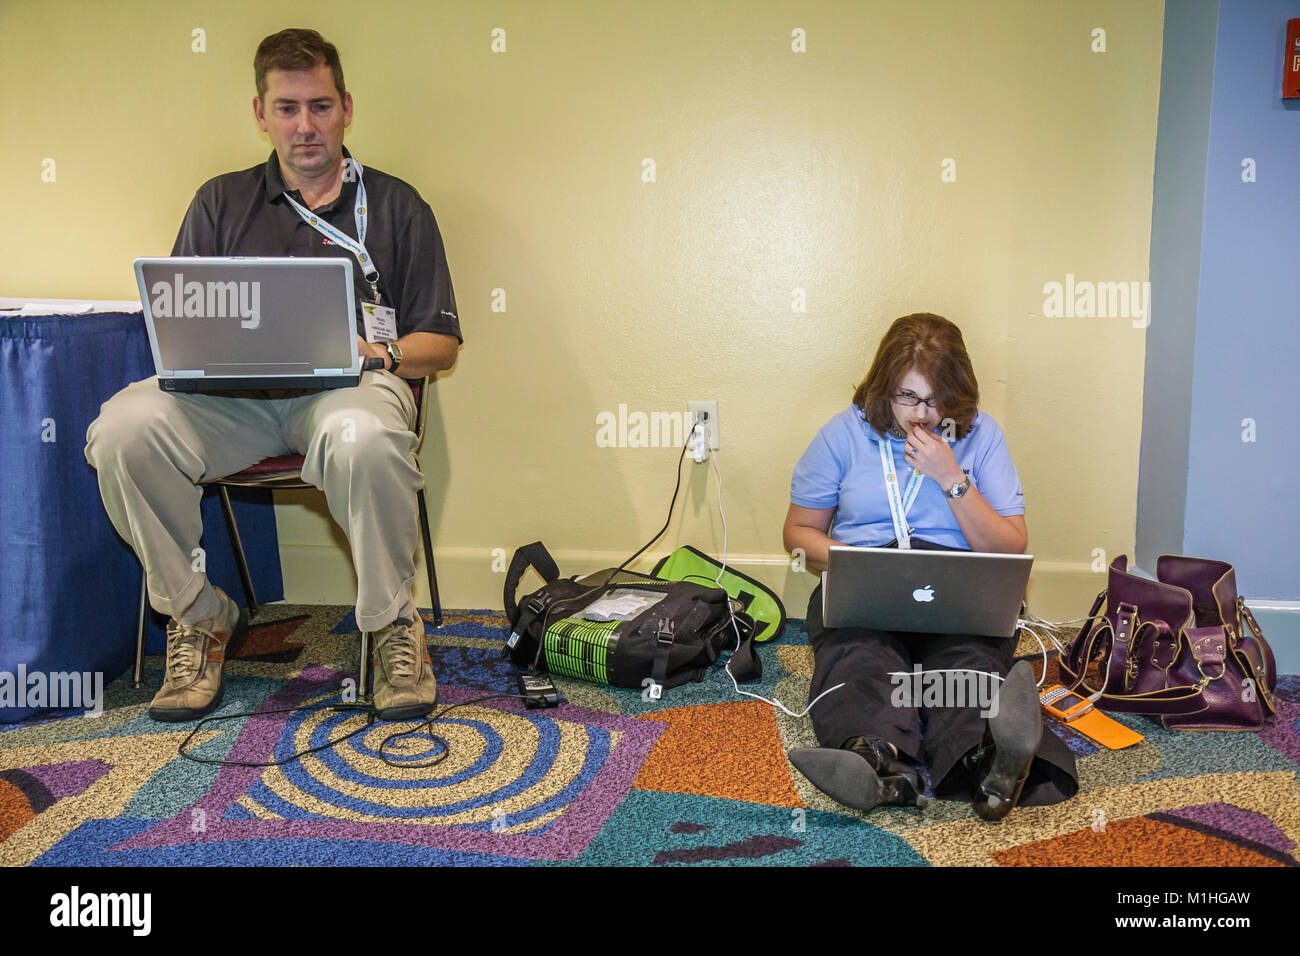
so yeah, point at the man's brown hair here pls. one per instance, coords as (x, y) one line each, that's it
(293, 50)
(934, 347)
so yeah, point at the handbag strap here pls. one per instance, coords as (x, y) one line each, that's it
(664, 635)
(1121, 668)
(1092, 613)
(1075, 646)
(745, 664)
(532, 555)
(1126, 660)
(1166, 702)
(1262, 672)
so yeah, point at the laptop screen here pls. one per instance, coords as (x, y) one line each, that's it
(237, 317)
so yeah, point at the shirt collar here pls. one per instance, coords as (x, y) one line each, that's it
(275, 182)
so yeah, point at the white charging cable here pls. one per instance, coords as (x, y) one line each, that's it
(1025, 626)
(1031, 626)
(734, 626)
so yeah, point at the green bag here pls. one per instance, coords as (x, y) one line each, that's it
(760, 603)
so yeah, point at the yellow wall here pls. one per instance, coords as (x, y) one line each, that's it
(775, 171)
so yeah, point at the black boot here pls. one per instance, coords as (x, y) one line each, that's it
(1001, 764)
(863, 774)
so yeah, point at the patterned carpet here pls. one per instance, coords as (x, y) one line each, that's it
(699, 777)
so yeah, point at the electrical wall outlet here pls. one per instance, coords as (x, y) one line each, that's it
(711, 425)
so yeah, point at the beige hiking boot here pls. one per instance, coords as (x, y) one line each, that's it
(405, 687)
(195, 655)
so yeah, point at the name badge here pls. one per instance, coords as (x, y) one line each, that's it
(381, 322)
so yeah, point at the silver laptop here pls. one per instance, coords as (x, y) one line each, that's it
(220, 324)
(929, 592)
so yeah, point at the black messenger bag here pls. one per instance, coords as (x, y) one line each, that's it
(623, 629)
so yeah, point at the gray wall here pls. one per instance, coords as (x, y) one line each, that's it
(1225, 332)
(1182, 141)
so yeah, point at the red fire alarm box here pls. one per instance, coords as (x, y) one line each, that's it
(1291, 61)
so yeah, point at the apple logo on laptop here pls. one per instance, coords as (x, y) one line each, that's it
(924, 594)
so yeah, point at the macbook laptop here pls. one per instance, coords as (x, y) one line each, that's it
(930, 592)
(223, 324)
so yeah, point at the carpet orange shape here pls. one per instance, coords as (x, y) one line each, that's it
(270, 642)
(730, 750)
(15, 809)
(1138, 841)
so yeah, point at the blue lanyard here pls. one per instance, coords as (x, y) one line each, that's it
(355, 246)
(899, 503)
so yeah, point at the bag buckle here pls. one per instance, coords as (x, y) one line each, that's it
(1223, 668)
(1126, 621)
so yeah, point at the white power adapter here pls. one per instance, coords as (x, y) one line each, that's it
(699, 443)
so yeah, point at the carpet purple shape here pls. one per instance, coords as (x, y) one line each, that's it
(1244, 824)
(68, 779)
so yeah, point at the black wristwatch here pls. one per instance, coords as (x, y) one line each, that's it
(394, 354)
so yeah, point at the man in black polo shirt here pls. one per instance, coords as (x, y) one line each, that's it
(153, 448)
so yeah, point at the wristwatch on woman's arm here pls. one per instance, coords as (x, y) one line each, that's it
(959, 489)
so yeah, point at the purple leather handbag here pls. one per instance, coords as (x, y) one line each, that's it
(1174, 648)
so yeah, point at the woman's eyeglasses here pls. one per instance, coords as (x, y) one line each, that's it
(911, 400)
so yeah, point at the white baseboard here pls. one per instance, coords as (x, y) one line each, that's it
(474, 578)
(1280, 622)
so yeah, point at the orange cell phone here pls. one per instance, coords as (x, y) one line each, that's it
(1079, 714)
(1063, 704)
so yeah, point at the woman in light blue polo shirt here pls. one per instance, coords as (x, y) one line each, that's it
(916, 417)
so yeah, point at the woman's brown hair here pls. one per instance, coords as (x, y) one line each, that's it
(934, 347)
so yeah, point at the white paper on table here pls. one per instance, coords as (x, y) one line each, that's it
(48, 308)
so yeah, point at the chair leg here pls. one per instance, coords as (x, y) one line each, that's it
(428, 559)
(137, 673)
(238, 547)
(363, 690)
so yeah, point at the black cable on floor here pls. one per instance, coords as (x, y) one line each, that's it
(360, 708)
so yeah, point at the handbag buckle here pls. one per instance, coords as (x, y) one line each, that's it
(1206, 678)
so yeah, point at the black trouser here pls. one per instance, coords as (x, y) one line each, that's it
(934, 737)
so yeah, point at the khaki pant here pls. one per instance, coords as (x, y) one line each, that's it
(152, 450)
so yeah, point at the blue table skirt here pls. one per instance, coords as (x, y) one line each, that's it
(69, 586)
